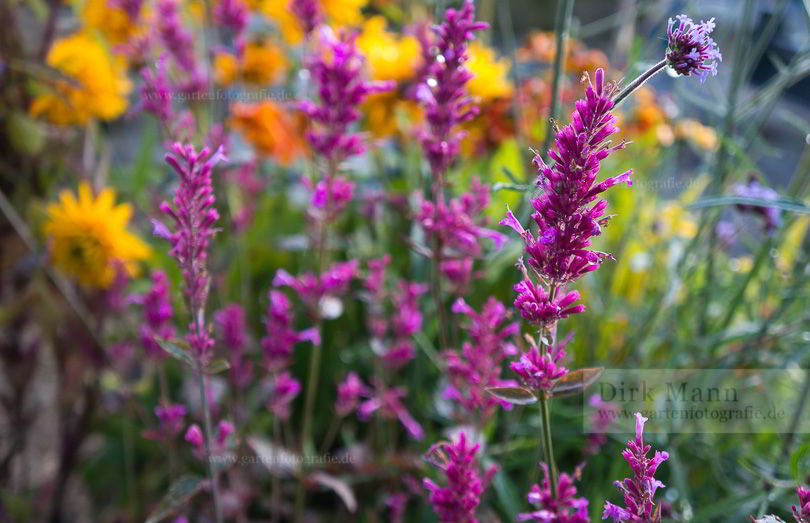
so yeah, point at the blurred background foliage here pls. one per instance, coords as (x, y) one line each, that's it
(699, 281)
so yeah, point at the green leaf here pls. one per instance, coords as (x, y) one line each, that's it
(277, 459)
(576, 381)
(514, 395)
(796, 460)
(175, 500)
(217, 366)
(785, 205)
(177, 349)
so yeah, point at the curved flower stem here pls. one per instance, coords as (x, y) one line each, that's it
(208, 439)
(564, 11)
(638, 82)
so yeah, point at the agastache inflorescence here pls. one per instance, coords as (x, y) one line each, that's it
(569, 212)
(690, 49)
(443, 92)
(194, 216)
(338, 69)
(456, 502)
(801, 513)
(639, 490)
(565, 507)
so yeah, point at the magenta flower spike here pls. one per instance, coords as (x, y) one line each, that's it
(639, 490)
(350, 391)
(155, 93)
(457, 500)
(564, 508)
(282, 337)
(338, 70)
(233, 328)
(194, 216)
(538, 370)
(443, 91)
(801, 513)
(690, 49)
(195, 436)
(232, 14)
(171, 419)
(569, 211)
(177, 39)
(308, 13)
(285, 389)
(157, 311)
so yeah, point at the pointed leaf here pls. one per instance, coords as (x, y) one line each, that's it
(576, 381)
(514, 395)
(177, 349)
(217, 366)
(179, 494)
(278, 460)
(340, 487)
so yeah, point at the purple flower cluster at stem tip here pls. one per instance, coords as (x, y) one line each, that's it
(457, 500)
(194, 216)
(338, 69)
(443, 91)
(801, 513)
(157, 312)
(569, 212)
(565, 507)
(639, 490)
(755, 190)
(690, 49)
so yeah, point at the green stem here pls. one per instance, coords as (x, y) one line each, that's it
(208, 439)
(638, 82)
(564, 11)
(545, 409)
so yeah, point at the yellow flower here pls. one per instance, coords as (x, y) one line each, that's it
(89, 239)
(338, 13)
(697, 133)
(271, 130)
(97, 88)
(491, 75)
(261, 63)
(388, 57)
(388, 114)
(111, 21)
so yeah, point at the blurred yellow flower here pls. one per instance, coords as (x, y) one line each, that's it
(270, 129)
(88, 236)
(389, 114)
(339, 13)
(491, 74)
(111, 21)
(261, 63)
(97, 88)
(697, 133)
(389, 57)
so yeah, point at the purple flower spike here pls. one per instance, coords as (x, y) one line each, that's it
(194, 216)
(232, 326)
(157, 311)
(195, 436)
(338, 70)
(156, 91)
(443, 91)
(177, 39)
(282, 337)
(349, 394)
(456, 502)
(308, 13)
(285, 389)
(638, 491)
(802, 513)
(536, 306)
(569, 212)
(563, 508)
(232, 14)
(754, 189)
(690, 49)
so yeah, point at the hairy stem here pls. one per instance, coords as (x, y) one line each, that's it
(638, 82)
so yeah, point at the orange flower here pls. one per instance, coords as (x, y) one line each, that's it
(270, 129)
(261, 63)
